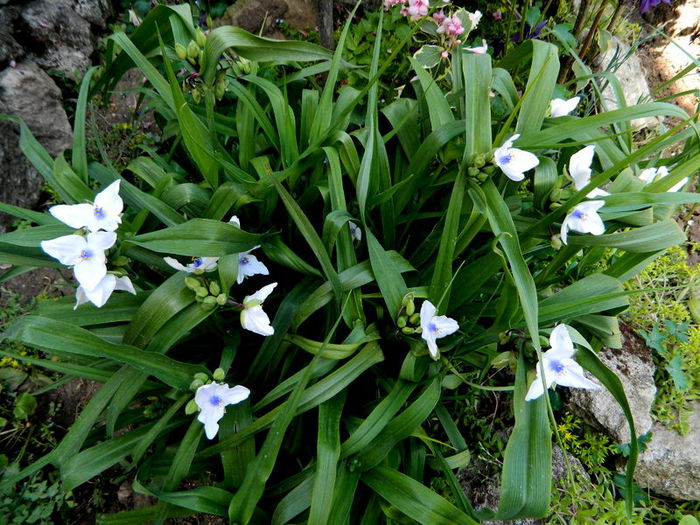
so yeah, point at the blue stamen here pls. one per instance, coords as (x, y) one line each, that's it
(85, 255)
(578, 214)
(215, 400)
(557, 367)
(243, 260)
(99, 213)
(505, 159)
(196, 262)
(432, 327)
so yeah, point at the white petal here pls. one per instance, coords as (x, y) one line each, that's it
(89, 272)
(564, 229)
(445, 325)
(572, 376)
(125, 284)
(536, 389)
(560, 107)
(174, 263)
(597, 192)
(74, 215)
(678, 186)
(235, 220)
(203, 394)
(206, 263)
(109, 199)
(99, 295)
(580, 166)
(210, 416)
(560, 340)
(427, 312)
(232, 396)
(261, 294)
(256, 320)
(355, 231)
(80, 297)
(646, 175)
(524, 159)
(101, 241)
(429, 337)
(249, 265)
(66, 249)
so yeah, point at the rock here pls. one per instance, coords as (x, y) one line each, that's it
(635, 368)
(632, 77)
(94, 11)
(64, 37)
(29, 93)
(251, 15)
(671, 463)
(10, 49)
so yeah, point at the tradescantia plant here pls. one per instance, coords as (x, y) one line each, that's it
(407, 254)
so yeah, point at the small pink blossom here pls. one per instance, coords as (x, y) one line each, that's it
(444, 54)
(439, 17)
(497, 15)
(451, 26)
(417, 8)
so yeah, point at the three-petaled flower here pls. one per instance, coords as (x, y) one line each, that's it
(248, 265)
(514, 162)
(435, 326)
(584, 218)
(355, 231)
(198, 264)
(559, 366)
(212, 400)
(560, 107)
(85, 254)
(580, 171)
(103, 214)
(253, 317)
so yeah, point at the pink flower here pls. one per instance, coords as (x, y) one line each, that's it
(451, 26)
(417, 8)
(497, 15)
(439, 17)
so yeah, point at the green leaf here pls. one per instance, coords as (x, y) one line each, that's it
(477, 86)
(428, 55)
(388, 275)
(675, 369)
(655, 237)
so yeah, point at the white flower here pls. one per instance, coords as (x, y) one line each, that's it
(355, 231)
(103, 214)
(580, 171)
(559, 366)
(248, 265)
(584, 218)
(85, 254)
(253, 317)
(198, 264)
(560, 107)
(99, 295)
(235, 221)
(212, 400)
(479, 50)
(474, 19)
(649, 175)
(435, 326)
(514, 162)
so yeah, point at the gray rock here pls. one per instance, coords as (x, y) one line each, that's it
(10, 49)
(251, 15)
(63, 34)
(69, 60)
(629, 70)
(29, 93)
(94, 11)
(671, 463)
(635, 368)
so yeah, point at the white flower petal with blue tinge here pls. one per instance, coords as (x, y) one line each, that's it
(101, 293)
(560, 107)
(85, 254)
(253, 317)
(103, 214)
(355, 231)
(514, 162)
(650, 175)
(201, 264)
(212, 400)
(584, 218)
(559, 367)
(249, 265)
(580, 171)
(435, 326)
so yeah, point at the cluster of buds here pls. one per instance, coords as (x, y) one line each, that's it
(408, 320)
(208, 294)
(194, 54)
(479, 169)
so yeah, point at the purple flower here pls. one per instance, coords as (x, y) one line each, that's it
(534, 33)
(645, 5)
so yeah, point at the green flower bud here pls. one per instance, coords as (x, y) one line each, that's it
(401, 322)
(503, 337)
(410, 308)
(194, 385)
(244, 64)
(192, 49)
(214, 288)
(479, 161)
(202, 377)
(556, 242)
(408, 298)
(197, 97)
(201, 291)
(414, 319)
(473, 172)
(200, 37)
(221, 299)
(192, 283)
(220, 88)
(490, 169)
(418, 330)
(555, 195)
(210, 22)
(181, 51)
(408, 330)
(191, 408)
(482, 176)
(209, 303)
(219, 374)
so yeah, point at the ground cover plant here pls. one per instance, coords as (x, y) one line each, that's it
(306, 276)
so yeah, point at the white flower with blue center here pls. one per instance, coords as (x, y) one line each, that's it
(584, 218)
(435, 326)
(560, 107)
(580, 171)
(650, 175)
(198, 264)
(103, 214)
(253, 317)
(101, 293)
(559, 366)
(248, 265)
(85, 254)
(212, 400)
(514, 162)
(355, 231)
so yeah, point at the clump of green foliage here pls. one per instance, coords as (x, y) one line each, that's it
(662, 312)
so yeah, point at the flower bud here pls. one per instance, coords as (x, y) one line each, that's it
(219, 374)
(501, 360)
(210, 22)
(197, 97)
(408, 330)
(191, 408)
(482, 176)
(200, 37)
(479, 161)
(408, 298)
(414, 319)
(410, 308)
(201, 291)
(401, 322)
(556, 242)
(220, 88)
(209, 303)
(202, 377)
(194, 385)
(221, 299)
(244, 64)
(490, 169)
(555, 195)
(192, 49)
(214, 288)
(418, 330)
(472, 171)
(181, 51)
(192, 283)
